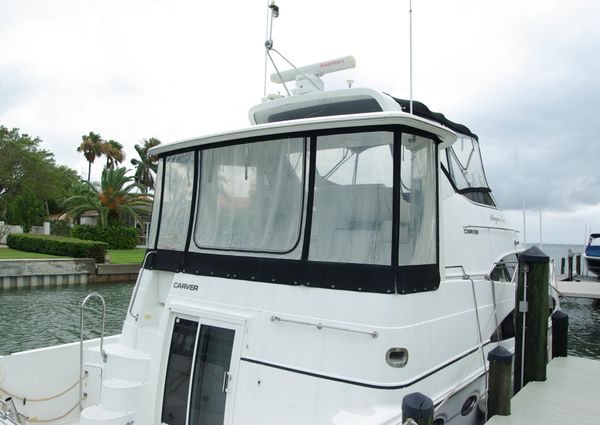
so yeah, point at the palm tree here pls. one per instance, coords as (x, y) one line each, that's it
(114, 153)
(113, 199)
(91, 146)
(145, 165)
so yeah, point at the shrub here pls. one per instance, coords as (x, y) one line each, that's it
(117, 237)
(56, 245)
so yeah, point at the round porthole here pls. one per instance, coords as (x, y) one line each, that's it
(468, 405)
(397, 357)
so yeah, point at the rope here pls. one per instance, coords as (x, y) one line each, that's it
(483, 359)
(36, 400)
(64, 415)
(554, 284)
(459, 382)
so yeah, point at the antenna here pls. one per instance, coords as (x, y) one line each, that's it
(316, 69)
(272, 13)
(524, 228)
(410, 53)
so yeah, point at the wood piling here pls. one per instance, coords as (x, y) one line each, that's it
(560, 331)
(418, 407)
(531, 352)
(500, 389)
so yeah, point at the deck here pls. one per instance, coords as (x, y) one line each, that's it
(570, 395)
(583, 287)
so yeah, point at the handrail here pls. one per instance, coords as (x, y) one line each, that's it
(9, 412)
(102, 352)
(319, 325)
(506, 229)
(137, 285)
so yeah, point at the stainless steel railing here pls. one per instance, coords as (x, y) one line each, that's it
(102, 352)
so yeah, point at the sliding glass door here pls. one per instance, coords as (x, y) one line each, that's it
(198, 374)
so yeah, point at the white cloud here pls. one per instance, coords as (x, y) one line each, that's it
(520, 74)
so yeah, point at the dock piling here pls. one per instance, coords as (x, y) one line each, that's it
(531, 352)
(418, 407)
(500, 390)
(560, 331)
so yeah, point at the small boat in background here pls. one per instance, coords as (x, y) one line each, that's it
(592, 254)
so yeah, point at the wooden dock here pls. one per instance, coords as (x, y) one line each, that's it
(581, 288)
(570, 395)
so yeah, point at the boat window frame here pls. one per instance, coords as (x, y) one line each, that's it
(445, 166)
(281, 268)
(196, 200)
(202, 318)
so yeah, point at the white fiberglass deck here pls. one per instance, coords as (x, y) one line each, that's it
(570, 395)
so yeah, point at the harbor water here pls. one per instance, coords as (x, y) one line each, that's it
(42, 317)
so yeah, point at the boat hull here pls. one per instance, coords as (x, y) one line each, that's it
(593, 264)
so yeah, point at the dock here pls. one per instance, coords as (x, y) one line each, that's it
(583, 288)
(569, 395)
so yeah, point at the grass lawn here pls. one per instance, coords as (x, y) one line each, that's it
(117, 256)
(127, 256)
(13, 254)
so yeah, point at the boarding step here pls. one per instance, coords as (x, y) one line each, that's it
(126, 363)
(95, 415)
(120, 395)
(147, 338)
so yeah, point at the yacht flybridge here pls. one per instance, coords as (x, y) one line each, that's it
(313, 268)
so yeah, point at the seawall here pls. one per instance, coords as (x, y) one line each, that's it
(57, 272)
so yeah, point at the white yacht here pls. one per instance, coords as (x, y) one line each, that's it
(314, 268)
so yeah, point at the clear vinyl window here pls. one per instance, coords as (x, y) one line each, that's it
(251, 196)
(150, 243)
(418, 206)
(176, 201)
(353, 198)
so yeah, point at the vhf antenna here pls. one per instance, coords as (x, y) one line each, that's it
(272, 13)
(410, 53)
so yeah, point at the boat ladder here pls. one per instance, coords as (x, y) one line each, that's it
(8, 411)
(82, 373)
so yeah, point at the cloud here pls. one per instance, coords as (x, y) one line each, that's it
(522, 75)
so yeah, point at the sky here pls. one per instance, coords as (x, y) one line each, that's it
(524, 76)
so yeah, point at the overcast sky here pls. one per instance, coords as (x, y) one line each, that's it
(523, 75)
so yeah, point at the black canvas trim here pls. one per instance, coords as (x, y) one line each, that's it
(160, 207)
(312, 169)
(421, 110)
(166, 260)
(319, 274)
(417, 278)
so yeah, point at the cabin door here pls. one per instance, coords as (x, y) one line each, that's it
(198, 380)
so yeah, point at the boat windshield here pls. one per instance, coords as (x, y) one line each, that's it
(594, 240)
(465, 168)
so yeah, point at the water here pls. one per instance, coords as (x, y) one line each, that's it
(42, 317)
(584, 316)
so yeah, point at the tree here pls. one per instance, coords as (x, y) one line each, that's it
(145, 165)
(114, 199)
(114, 153)
(25, 167)
(91, 146)
(27, 211)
